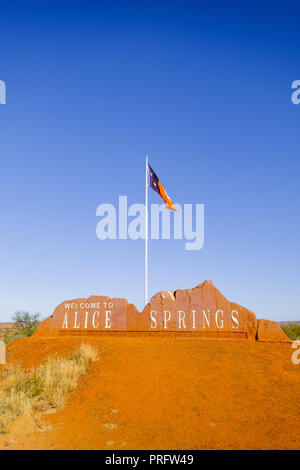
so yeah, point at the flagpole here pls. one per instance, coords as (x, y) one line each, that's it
(146, 234)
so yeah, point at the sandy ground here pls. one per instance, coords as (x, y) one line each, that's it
(166, 393)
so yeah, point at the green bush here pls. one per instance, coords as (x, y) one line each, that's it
(25, 325)
(292, 330)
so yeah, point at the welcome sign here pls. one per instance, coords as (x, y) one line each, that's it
(95, 313)
(202, 311)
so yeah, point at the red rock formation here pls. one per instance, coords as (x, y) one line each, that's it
(270, 331)
(205, 308)
(201, 311)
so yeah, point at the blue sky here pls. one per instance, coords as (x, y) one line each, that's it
(203, 88)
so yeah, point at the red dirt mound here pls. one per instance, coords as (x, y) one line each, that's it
(167, 393)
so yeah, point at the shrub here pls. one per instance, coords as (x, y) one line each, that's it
(292, 331)
(25, 325)
(29, 392)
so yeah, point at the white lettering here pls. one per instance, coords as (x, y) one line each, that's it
(194, 318)
(86, 319)
(198, 235)
(94, 317)
(206, 319)
(107, 319)
(165, 317)
(156, 210)
(2, 92)
(296, 354)
(75, 322)
(296, 94)
(106, 227)
(153, 319)
(122, 217)
(235, 319)
(217, 318)
(136, 228)
(65, 322)
(181, 318)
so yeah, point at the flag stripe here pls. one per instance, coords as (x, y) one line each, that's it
(156, 185)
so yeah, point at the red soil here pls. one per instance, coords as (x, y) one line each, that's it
(166, 393)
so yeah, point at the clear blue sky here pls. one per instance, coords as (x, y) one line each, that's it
(204, 88)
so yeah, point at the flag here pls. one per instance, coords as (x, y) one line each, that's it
(156, 185)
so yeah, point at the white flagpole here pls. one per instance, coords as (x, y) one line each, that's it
(146, 234)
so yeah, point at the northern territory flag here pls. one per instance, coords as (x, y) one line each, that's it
(155, 184)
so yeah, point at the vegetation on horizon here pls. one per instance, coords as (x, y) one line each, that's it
(38, 390)
(292, 330)
(25, 324)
